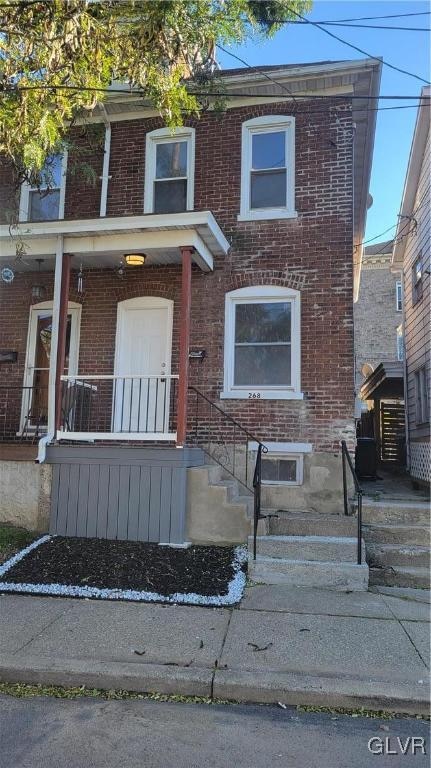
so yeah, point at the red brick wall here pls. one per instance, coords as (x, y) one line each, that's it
(316, 246)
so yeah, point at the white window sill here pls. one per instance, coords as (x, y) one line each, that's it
(269, 213)
(269, 394)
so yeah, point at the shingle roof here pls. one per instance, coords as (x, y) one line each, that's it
(270, 67)
(378, 248)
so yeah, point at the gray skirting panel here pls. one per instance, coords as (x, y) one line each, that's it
(130, 493)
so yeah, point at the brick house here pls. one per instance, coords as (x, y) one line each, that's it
(197, 299)
(411, 254)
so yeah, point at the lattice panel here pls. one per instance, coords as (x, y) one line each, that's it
(420, 461)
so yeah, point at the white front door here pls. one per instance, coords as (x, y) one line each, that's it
(141, 393)
(34, 407)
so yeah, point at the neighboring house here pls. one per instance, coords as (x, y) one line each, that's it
(379, 352)
(411, 254)
(197, 298)
(378, 312)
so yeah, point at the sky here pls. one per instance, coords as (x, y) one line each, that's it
(410, 50)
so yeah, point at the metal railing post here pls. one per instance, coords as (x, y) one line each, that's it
(346, 503)
(359, 527)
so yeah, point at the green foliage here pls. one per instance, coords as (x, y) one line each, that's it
(57, 59)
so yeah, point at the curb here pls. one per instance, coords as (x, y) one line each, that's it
(290, 688)
(319, 690)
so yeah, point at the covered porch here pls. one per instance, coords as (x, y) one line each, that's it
(134, 386)
(383, 390)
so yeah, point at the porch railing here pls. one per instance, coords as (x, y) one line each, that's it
(227, 442)
(347, 462)
(23, 412)
(130, 407)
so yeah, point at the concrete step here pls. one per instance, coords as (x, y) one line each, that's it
(400, 576)
(311, 524)
(315, 548)
(343, 577)
(388, 555)
(415, 513)
(396, 533)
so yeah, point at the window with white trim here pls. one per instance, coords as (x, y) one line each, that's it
(262, 343)
(282, 469)
(45, 202)
(400, 343)
(422, 403)
(268, 168)
(417, 282)
(169, 171)
(399, 296)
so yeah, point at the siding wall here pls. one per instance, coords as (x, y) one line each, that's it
(417, 317)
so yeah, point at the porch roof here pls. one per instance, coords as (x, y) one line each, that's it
(102, 242)
(385, 381)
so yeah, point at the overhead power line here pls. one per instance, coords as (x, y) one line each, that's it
(358, 26)
(356, 48)
(390, 16)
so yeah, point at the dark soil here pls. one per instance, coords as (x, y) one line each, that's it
(126, 565)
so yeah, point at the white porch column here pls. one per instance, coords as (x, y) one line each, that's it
(46, 439)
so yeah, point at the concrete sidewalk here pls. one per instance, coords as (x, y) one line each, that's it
(293, 645)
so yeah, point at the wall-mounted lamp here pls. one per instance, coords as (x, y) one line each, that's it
(38, 291)
(134, 259)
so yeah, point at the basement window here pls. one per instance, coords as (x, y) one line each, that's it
(282, 469)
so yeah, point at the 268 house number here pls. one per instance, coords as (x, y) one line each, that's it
(254, 395)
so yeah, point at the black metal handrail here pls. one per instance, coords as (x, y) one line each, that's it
(225, 446)
(347, 460)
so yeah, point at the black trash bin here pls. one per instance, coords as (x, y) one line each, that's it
(366, 457)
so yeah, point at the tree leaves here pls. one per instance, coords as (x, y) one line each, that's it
(58, 58)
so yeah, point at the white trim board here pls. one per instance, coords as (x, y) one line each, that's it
(283, 447)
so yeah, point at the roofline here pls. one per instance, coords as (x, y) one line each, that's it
(413, 172)
(301, 70)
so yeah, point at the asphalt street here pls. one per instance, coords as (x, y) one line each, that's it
(44, 732)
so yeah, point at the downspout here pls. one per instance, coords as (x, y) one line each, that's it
(406, 400)
(106, 158)
(50, 434)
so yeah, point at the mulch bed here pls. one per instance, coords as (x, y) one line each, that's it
(205, 571)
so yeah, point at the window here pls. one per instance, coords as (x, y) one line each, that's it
(169, 171)
(399, 296)
(284, 462)
(282, 470)
(400, 343)
(46, 203)
(417, 284)
(268, 168)
(262, 344)
(421, 388)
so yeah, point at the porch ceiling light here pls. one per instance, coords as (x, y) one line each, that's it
(134, 259)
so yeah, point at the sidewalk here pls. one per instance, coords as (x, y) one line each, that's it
(283, 644)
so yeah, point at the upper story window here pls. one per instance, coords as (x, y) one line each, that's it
(46, 202)
(400, 343)
(421, 387)
(417, 281)
(262, 344)
(268, 168)
(169, 171)
(399, 295)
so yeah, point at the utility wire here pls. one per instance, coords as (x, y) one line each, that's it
(259, 71)
(360, 50)
(358, 26)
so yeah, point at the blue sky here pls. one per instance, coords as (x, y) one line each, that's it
(408, 50)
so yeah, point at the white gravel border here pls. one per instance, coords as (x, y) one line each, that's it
(234, 594)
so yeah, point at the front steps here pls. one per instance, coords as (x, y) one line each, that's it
(291, 553)
(397, 540)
